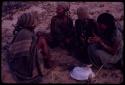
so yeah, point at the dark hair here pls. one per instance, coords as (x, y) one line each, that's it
(108, 20)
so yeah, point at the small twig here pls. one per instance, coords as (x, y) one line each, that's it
(99, 70)
(90, 76)
(52, 77)
(50, 70)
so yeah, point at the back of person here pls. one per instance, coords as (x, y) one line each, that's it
(23, 51)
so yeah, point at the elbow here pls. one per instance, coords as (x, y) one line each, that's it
(113, 52)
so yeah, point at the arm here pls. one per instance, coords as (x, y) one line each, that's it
(77, 27)
(52, 25)
(79, 30)
(71, 24)
(109, 48)
(42, 44)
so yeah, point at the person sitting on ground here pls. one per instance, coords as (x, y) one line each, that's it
(23, 51)
(105, 47)
(84, 26)
(61, 27)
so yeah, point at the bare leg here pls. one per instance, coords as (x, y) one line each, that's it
(42, 44)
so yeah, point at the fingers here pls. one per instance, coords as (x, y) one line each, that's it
(90, 41)
(93, 40)
(94, 35)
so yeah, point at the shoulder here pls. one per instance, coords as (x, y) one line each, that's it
(54, 18)
(117, 36)
(77, 21)
(91, 21)
(25, 34)
(118, 33)
(69, 18)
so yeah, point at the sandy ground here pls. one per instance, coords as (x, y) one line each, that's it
(60, 74)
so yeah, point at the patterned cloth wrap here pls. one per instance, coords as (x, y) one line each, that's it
(23, 50)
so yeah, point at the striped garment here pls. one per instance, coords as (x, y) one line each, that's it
(23, 54)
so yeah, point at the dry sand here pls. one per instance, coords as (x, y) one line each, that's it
(60, 74)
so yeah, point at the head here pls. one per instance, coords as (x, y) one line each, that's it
(106, 21)
(27, 20)
(82, 13)
(61, 9)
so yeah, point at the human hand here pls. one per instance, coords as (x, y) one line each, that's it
(94, 39)
(83, 39)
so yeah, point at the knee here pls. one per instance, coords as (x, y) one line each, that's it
(41, 42)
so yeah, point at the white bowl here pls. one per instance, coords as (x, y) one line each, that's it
(81, 73)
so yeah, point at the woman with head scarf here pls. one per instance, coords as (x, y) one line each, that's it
(23, 57)
(84, 26)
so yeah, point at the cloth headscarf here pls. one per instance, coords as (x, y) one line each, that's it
(26, 20)
(83, 11)
(66, 6)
